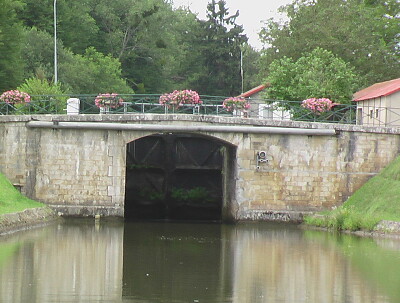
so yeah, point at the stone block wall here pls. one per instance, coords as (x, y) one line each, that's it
(308, 173)
(82, 172)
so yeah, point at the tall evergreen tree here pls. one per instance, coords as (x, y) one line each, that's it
(220, 46)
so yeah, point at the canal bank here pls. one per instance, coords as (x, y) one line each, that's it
(18, 212)
(36, 217)
(27, 219)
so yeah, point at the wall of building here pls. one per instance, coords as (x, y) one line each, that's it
(393, 110)
(381, 111)
(82, 172)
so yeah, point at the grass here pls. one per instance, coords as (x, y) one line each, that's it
(376, 200)
(11, 200)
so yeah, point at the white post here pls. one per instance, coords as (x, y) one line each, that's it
(73, 106)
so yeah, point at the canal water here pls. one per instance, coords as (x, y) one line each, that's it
(112, 261)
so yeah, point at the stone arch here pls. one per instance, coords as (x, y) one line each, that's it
(168, 176)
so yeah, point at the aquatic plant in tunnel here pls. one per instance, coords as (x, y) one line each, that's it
(197, 194)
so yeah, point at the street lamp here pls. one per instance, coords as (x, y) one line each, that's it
(55, 42)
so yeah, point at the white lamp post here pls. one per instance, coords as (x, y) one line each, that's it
(55, 43)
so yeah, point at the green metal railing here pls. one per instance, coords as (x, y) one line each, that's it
(211, 105)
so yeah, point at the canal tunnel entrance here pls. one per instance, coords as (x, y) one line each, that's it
(176, 177)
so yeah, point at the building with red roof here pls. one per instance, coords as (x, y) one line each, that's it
(379, 104)
(259, 108)
(254, 93)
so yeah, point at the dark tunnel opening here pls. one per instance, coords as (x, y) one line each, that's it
(174, 177)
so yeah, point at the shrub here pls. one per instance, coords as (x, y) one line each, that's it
(46, 96)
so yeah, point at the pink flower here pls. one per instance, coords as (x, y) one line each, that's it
(180, 97)
(317, 105)
(15, 97)
(108, 100)
(235, 103)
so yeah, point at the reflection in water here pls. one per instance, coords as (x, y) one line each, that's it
(72, 263)
(176, 262)
(285, 265)
(83, 261)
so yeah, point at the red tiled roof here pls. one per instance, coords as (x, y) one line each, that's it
(378, 90)
(253, 91)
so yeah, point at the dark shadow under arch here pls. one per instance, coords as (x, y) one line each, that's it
(179, 177)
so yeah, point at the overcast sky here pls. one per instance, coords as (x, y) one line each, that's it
(252, 13)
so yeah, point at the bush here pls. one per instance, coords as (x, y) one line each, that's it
(45, 97)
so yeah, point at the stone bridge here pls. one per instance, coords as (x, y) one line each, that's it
(268, 170)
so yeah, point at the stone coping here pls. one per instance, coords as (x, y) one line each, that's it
(29, 218)
(222, 120)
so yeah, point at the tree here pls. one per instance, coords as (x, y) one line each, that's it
(75, 26)
(183, 60)
(93, 73)
(251, 67)
(318, 74)
(90, 73)
(363, 35)
(159, 48)
(134, 31)
(220, 45)
(11, 65)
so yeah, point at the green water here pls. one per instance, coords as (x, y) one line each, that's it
(113, 261)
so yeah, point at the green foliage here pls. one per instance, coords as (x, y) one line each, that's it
(182, 58)
(318, 74)
(150, 194)
(93, 73)
(364, 35)
(38, 53)
(11, 200)
(90, 73)
(76, 27)
(196, 195)
(251, 68)
(144, 45)
(136, 33)
(11, 65)
(344, 218)
(220, 45)
(45, 96)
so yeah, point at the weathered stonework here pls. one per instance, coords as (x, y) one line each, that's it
(82, 172)
(26, 219)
